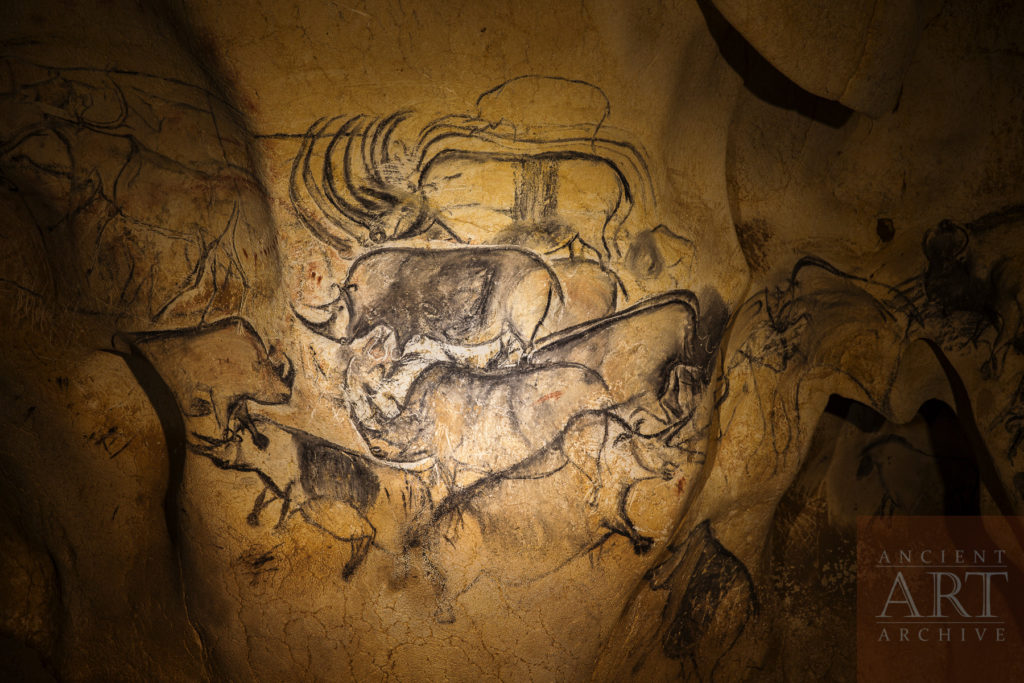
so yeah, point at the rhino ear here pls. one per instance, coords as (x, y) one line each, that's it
(948, 240)
(122, 343)
(282, 365)
(381, 344)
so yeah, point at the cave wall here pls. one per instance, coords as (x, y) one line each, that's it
(533, 341)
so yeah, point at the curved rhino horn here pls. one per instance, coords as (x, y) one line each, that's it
(328, 320)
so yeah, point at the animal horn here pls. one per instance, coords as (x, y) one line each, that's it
(322, 319)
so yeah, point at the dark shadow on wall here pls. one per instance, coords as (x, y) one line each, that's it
(19, 662)
(173, 425)
(763, 80)
(813, 540)
(955, 459)
(973, 440)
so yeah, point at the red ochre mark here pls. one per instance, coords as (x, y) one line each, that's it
(548, 397)
(245, 252)
(680, 485)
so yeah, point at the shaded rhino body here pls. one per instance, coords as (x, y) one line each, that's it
(463, 296)
(454, 413)
(642, 353)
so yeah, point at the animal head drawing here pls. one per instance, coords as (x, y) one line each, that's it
(333, 319)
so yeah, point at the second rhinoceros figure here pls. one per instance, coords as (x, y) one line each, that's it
(459, 297)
